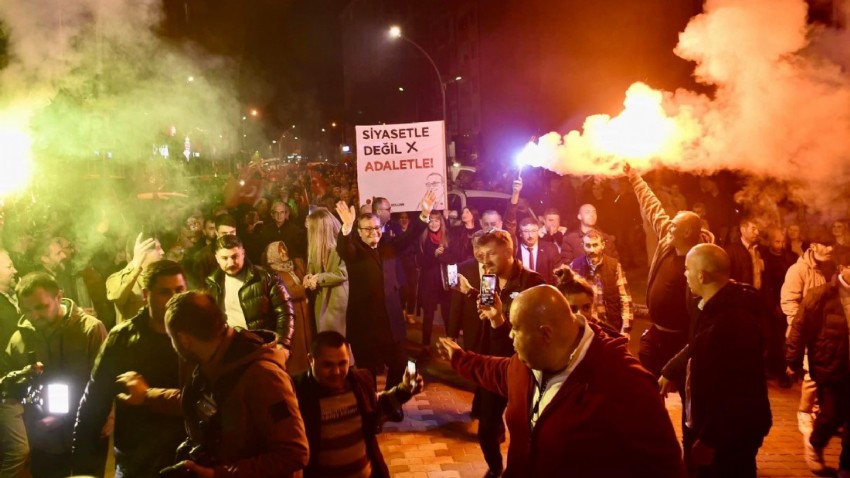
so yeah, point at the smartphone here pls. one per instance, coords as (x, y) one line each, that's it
(449, 276)
(488, 290)
(411, 367)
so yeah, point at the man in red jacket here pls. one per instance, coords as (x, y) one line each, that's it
(579, 404)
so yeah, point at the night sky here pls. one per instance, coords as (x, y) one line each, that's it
(286, 54)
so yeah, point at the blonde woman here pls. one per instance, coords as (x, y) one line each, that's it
(326, 275)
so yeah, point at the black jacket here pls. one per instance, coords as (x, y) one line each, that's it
(374, 408)
(265, 301)
(9, 316)
(728, 389)
(460, 243)
(374, 313)
(740, 262)
(821, 326)
(144, 439)
(463, 313)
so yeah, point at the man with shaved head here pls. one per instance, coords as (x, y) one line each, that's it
(667, 295)
(726, 409)
(590, 399)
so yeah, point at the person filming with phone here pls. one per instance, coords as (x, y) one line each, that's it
(343, 412)
(503, 280)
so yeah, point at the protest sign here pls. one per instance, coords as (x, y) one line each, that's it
(400, 162)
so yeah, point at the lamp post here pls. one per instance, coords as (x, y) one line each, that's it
(395, 32)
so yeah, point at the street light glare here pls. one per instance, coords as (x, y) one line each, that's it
(333, 125)
(400, 88)
(395, 32)
(190, 79)
(458, 78)
(254, 112)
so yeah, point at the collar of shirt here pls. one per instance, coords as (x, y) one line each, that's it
(843, 283)
(748, 246)
(551, 387)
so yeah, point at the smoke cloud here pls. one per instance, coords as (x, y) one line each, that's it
(89, 90)
(780, 108)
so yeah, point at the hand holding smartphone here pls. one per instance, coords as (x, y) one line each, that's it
(488, 290)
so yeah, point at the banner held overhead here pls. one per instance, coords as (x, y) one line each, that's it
(402, 161)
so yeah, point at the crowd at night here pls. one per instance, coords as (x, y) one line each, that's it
(263, 240)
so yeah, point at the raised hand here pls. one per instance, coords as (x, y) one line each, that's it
(428, 202)
(516, 187)
(142, 251)
(347, 214)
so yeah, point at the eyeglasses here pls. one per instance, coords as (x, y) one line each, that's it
(370, 230)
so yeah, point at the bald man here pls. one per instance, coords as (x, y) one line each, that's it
(726, 408)
(594, 411)
(667, 296)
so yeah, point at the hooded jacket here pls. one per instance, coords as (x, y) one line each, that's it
(256, 430)
(68, 355)
(804, 275)
(265, 301)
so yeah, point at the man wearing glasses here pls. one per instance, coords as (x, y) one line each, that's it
(374, 319)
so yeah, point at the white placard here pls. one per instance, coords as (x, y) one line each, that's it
(401, 162)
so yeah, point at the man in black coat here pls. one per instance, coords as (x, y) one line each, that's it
(726, 410)
(374, 319)
(745, 258)
(535, 255)
(821, 327)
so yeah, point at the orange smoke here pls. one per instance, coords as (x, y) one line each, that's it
(780, 106)
(641, 133)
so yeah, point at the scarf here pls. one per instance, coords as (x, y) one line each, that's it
(436, 237)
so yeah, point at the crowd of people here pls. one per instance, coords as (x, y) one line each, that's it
(242, 335)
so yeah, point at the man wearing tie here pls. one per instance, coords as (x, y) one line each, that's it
(537, 256)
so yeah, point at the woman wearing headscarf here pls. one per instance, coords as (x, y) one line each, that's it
(291, 272)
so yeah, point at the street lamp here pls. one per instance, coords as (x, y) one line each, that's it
(395, 32)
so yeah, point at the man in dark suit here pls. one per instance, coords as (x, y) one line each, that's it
(745, 258)
(374, 320)
(539, 256)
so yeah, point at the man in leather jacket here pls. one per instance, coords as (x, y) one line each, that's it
(250, 297)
